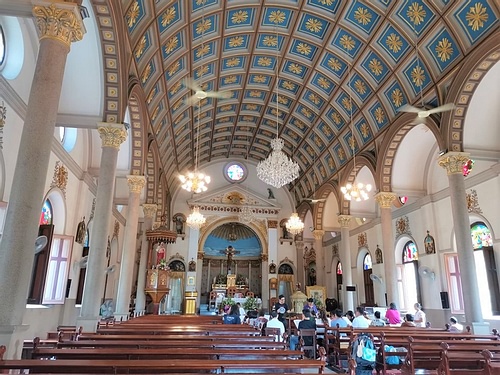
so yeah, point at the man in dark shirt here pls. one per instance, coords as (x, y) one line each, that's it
(281, 308)
(305, 323)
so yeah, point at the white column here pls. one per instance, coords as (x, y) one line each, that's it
(385, 199)
(140, 302)
(112, 136)
(58, 25)
(272, 253)
(320, 257)
(345, 257)
(135, 185)
(453, 163)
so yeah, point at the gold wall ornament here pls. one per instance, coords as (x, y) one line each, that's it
(60, 177)
(112, 135)
(344, 220)
(149, 210)
(136, 183)
(453, 162)
(116, 229)
(473, 202)
(60, 21)
(385, 199)
(362, 240)
(403, 226)
(318, 234)
(272, 224)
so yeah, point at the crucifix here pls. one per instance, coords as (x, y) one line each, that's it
(229, 252)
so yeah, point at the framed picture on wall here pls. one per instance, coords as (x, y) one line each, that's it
(318, 293)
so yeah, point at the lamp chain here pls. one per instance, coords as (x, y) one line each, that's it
(277, 83)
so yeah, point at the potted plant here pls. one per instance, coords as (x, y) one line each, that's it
(250, 304)
(226, 304)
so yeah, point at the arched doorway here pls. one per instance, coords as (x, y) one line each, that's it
(487, 276)
(367, 272)
(285, 281)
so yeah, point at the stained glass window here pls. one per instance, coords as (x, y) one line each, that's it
(235, 172)
(410, 252)
(481, 236)
(46, 215)
(367, 262)
(2, 46)
(339, 268)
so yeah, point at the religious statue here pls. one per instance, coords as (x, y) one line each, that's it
(270, 194)
(229, 252)
(179, 225)
(80, 232)
(160, 253)
(430, 246)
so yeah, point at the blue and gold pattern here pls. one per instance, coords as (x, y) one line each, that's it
(234, 44)
(362, 16)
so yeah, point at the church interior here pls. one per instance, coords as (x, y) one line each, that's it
(159, 157)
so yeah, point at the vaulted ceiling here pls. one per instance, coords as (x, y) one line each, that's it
(327, 54)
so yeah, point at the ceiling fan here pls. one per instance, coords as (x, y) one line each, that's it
(422, 112)
(200, 94)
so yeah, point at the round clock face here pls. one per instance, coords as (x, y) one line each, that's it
(235, 172)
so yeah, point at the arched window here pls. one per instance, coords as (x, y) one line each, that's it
(484, 258)
(408, 279)
(2, 46)
(46, 215)
(339, 281)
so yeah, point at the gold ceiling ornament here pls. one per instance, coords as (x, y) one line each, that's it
(357, 191)
(277, 170)
(60, 178)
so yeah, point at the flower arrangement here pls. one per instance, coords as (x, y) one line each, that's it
(226, 304)
(240, 279)
(162, 265)
(221, 279)
(250, 304)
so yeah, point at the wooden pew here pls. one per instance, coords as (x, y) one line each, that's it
(464, 357)
(152, 337)
(161, 366)
(492, 363)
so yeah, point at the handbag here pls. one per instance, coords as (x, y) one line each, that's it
(369, 354)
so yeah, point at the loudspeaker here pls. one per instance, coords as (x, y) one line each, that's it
(445, 301)
(68, 288)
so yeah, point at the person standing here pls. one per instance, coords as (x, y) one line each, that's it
(281, 308)
(419, 318)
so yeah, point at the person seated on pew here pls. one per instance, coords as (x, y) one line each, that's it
(455, 326)
(233, 317)
(392, 315)
(274, 322)
(360, 321)
(338, 319)
(349, 317)
(305, 323)
(377, 322)
(311, 306)
(261, 322)
(408, 321)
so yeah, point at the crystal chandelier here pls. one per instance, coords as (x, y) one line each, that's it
(195, 220)
(277, 170)
(356, 191)
(294, 225)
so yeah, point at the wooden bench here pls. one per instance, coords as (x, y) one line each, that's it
(160, 366)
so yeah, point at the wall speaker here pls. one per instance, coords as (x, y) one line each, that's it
(68, 288)
(445, 301)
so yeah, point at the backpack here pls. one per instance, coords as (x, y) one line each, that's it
(364, 352)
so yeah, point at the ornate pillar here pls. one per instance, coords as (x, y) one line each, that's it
(191, 299)
(345, 256)
(140, 302)
(135, 185)
(272, 253)
(112, 136)
(320, 257)
(384, 200)
(58, 25)
(301, 274)
(453, 163)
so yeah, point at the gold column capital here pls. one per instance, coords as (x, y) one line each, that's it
(453, 162)
(318, 234)
(344, 220)
(136, 183)
(272, 224)
(385, 199)
(58, 20)
(149, 209)
(112, 135)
